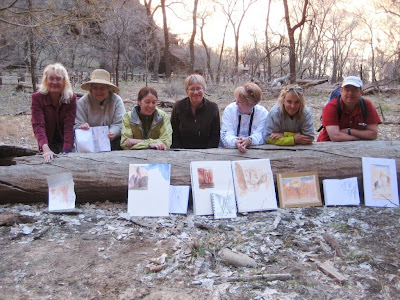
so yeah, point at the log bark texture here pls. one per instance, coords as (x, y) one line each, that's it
(104, 176)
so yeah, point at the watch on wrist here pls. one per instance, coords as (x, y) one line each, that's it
(348, 131)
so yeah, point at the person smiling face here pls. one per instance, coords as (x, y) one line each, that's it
(99, 91)
(148, 104)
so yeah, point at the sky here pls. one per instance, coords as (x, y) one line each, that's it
(253, 23)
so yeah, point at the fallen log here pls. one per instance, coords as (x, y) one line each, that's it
(104, 176)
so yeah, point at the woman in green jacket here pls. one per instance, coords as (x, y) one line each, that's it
(146, 126)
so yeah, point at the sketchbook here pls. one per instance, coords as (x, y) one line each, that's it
(208, 177)
(148, 190)
(61, 192)
(178, 199)
(254, 185)
(95, 139)
(341, 191)
(223, 204)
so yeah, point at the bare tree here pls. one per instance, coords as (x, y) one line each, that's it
(292, 44)
(191, 42)
(206, 48)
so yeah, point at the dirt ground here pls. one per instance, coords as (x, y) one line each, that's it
(98, 252)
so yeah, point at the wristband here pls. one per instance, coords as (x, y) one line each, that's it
(348, 131)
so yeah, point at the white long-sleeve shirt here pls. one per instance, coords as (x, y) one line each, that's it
(230, 123)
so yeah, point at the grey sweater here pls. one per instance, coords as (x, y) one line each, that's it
(110, 114)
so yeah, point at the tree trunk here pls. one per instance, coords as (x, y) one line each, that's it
(104, 176)
(191, 43)
(167, 54)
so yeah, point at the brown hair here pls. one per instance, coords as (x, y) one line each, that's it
(249, 92)
(144, 91)
(298, 92)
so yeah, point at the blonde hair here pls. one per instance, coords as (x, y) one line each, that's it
(195, 78)
(249, 92)
(297, 91)
(60, 71)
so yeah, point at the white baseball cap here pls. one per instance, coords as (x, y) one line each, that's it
(352, 80)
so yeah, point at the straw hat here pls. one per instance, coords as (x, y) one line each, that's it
(100, 76)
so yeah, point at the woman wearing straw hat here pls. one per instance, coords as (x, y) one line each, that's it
(53, 112)
(101, 106)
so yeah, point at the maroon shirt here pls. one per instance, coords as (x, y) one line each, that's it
(348, 119)
(47, 118)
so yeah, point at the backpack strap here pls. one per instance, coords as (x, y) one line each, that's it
(362, 104)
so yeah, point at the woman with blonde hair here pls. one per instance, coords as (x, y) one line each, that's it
(243, 121)
(53, 112)
(195, 120)
(290, 121)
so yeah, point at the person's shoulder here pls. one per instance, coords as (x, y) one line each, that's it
(116, 97)
(161, 113)
(231, 106)
(275, 110)
(84, 98)
(37, 95)
(211, 104)
(181, 103)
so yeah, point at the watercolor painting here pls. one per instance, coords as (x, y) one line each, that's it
(254, 185)
(208, 177)
(148, 190)
(61, 192)
(95, 139)
(138, 178)
(380, 182)
(299, 189)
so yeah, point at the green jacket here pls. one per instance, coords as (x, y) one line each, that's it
(160, 131)
(287, 140)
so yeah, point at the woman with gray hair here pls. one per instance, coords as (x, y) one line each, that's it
(101, 106)
(243, 121)
(53, 112)
(290, 121)
(195, 120)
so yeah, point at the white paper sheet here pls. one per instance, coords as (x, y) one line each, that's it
(341, 191)
(61, 192)
(178, 199)
(95, 139)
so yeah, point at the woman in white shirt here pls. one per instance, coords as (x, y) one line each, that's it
(243, 121)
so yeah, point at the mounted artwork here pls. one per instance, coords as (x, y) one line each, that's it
(95, 139)
(254, 185)
(148, 190)
(380, 182)
(298, 189)
(178, 199)
(341, 191)
(61, 192)
(208, 177)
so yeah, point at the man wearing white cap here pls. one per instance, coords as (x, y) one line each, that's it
(353, 118)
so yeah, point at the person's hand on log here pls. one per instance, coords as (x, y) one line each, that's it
(302, 139)
(48, 155)
(243, 143)
(157, 146)
(84, 126)
(132, 142)
(276, 135)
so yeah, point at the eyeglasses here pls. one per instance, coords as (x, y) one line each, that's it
(99, 88)
(195, 90)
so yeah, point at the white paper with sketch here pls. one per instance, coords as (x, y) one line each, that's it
(254, 185)
(61, 192)
(223, 204)
(206, 178)
(178, 199)
(341, 191)
(380, 182)
(95, 139)
(148, 190)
